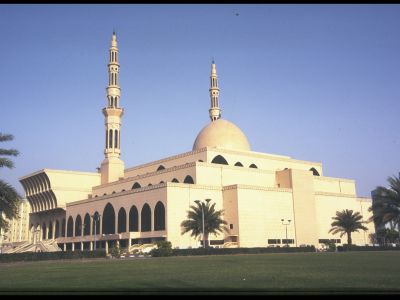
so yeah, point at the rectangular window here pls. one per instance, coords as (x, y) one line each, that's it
(274, 241)
(230, 226)
(288, 241)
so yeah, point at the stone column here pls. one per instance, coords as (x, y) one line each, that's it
(54, 230)
(106, 247)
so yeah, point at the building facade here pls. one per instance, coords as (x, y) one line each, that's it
(18, 230)
(268, 200)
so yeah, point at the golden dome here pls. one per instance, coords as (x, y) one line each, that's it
(222, 134)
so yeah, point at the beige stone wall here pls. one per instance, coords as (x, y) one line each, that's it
(304, 207)
(327, 204)
(169, 162)
(261, 160)
(167, 175)
(260, 212)
(334, 185)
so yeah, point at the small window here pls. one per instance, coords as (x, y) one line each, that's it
(314, 172)
(274, 241)
(238, 164)
(161, 167)
(287, 241)
(230, 226)
(253, 166)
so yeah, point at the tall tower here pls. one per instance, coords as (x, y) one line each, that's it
(215, 111)
(112, 167)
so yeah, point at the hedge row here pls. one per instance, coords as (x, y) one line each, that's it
(221, 251)
(366, 248)
(31, 256)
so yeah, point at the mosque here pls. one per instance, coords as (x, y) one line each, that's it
(268, 200)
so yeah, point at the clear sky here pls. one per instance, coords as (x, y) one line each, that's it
(314, 82)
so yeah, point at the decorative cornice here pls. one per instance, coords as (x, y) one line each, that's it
(333, 179)
(335, 194)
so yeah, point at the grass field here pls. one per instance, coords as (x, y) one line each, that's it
(283, 272)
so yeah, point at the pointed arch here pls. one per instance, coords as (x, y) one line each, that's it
(110, 139)
(314, 172)
(63, 227)
(57, 233)
(219, 159)
(121, 220)
(108, 219)
(78, 226)
(188, 179)
(44, 237)
(136, 185)
(159, 216)
(161, 167)
(86, 225)
(133, 219)
(70, 227)
(145, 217)
(96, 223)
(238, 164)
(253, 166)
(175, 180)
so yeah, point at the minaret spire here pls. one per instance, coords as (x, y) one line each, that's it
(215, 111)
(112, 167)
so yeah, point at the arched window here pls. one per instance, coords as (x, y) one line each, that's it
(110, 140)
(136, 185)
(70, 227)
(86, 227)
(116, 139)
(122, 220)
(106, 138)
(108, 219)
(161, 181)
(78, 226)
(253, 166)
(175, 180)
(44, 237)
(219, 160)
(63, 228)
(50, 236)
(159, 216)
(314, 172)
(188, 179)
(133, 219)
(238, 164)
(145, 217)
(57, 233)
(161, 167)
(96, 223)
(149, 184)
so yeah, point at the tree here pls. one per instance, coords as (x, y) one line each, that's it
(9, 198)
(213, 222)
(386, 204)
(346, 222)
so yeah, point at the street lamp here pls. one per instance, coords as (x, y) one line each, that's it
(202, 214)
(286, 225)
(96, 217)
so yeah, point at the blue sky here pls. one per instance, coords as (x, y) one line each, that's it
(314, 82)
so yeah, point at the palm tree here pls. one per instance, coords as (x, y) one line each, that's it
(213, 222)
(346, 222)
(9, 198)
(386, 204)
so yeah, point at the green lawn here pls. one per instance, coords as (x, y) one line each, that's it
(319, 272)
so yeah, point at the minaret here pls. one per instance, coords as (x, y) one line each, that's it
(112, 167)
(215, 111)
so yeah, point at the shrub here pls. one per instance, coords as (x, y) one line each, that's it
(164, 248)
(115, 251)
(33, 256)
(222, 251)
(330, 246)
